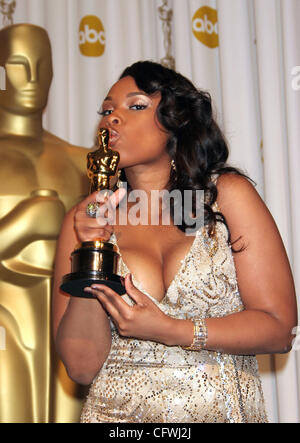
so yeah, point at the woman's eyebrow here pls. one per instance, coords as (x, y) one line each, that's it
(137, 93)
(130, 94)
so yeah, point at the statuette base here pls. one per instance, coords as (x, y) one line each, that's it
(75, 283)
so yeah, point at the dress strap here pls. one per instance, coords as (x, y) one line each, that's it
(214, 179)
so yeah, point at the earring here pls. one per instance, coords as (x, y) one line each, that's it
(173, 165)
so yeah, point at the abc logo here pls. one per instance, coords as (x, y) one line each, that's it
(205, 26)
(91, 36)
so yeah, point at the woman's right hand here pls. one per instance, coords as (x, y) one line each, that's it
(88, 228)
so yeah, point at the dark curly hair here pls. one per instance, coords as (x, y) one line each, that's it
(196, 143)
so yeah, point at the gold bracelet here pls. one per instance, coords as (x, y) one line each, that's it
(200, 335)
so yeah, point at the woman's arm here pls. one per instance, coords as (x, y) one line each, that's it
(263, 274)
(264, 278)
(81, 327)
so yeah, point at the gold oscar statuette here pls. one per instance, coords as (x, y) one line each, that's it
(41, 177)
(96, 261)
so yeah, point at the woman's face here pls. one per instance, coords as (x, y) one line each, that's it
(130, 115)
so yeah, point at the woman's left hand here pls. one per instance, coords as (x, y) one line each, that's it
(143, 320)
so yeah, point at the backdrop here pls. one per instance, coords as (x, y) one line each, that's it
(246, 53)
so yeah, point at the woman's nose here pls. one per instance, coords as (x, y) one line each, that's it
(114, 118)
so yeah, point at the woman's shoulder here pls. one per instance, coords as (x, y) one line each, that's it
(234, 190)
(245, 212)
(231, 179)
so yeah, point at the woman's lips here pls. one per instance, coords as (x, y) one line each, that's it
(113, 136)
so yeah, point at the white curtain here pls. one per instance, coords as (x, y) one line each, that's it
(131, 31)
(246, 53)
(250, 76)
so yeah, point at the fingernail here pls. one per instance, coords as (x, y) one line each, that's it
(87, 289)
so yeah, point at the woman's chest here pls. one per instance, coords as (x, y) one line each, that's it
(153, 254)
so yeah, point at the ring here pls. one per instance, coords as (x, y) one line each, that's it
(92, 208)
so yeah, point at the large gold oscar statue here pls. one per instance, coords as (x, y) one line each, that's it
(41, 176)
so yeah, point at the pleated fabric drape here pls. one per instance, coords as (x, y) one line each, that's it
(246, 53)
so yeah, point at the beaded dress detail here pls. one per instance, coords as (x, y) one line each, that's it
(148, 382)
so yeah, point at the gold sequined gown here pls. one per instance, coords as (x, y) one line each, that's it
(147, 382)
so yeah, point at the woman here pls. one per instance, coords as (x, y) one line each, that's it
(180, 345)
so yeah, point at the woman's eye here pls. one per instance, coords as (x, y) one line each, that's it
(105, 112)
(138, 107)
